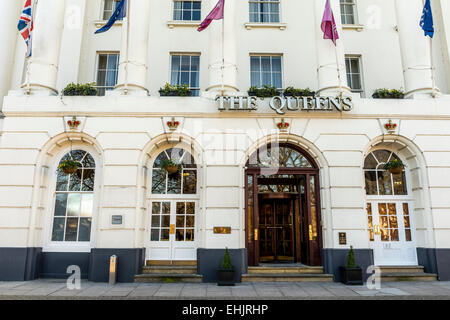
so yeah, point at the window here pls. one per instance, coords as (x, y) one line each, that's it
(183, 181)
(185, 70)
(265, 11)
(107, 72)
(74, 200)
(379, 181)
(354, 77)
(109, 8)
(187, 10)
(348, 11)
(266, 70)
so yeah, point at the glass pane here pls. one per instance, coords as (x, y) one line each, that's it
(166, 208)
(382, 209)
(158, 181)
(165, 235)
(179, 235)
(189, 181)
(73, 204)
(180, 222)
(87, 204)
(71, 229)
(180, 208)
(393, 222)
(154, 235)
(165, 223)
(190, 221)
(408, 235)
(399, 183)
(371, 182)
(174, 183)
(382, 155)
(102, 59)
(265, 64)
(60, 204)
(176, 63)
(370, 162)
(88, 180)
(156, 220)
(61, 181)
(75, 181)
(58, 229)
(156, 207)
(394, 235)
(189, 234)
(384, 183)
(190, 208)
(85, 229)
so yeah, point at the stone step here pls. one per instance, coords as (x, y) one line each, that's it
(168, 278)
(408, 276)
(169, 270)
(287, 277)
(284, 270)
(171, 263)
(401, 269)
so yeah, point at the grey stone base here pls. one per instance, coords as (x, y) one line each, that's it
(130, 263)
(209, 260)
(435, 261)
(335, 258)
(54, 264)
(19, 264)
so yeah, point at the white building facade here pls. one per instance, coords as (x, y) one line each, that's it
(280, 179)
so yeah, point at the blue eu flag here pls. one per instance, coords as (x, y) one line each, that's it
(120, 13)
(427, 20)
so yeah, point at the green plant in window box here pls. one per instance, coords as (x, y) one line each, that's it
(87, 89)
(264, 92)
(68, 166)
(171, 167)
(388, 94)
(394, 166)
(292, 92)
(175, 90)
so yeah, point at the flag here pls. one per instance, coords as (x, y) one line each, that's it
(25, 25)
(119, 13)
(426, 22)
(215, 14)
(328, 24)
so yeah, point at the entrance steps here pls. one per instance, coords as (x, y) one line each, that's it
(405, 273)
(286, 274)
(169, 272)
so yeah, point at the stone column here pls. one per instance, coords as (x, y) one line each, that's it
(328, 54)
(9, 17)
(47, 34)
(415, 48)
(132, 77)
(215, 53)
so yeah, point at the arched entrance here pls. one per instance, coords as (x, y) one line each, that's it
(282, 207)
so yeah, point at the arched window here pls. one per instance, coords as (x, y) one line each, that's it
(282, 156)
(379, 181)
(74, 200)
(183, 181)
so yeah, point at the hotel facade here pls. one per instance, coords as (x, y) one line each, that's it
(278, 180)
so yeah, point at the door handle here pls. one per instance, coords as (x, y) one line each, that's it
(376, 229)
(310, 233)
(256, 234)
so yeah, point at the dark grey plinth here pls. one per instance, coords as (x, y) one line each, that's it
(435, 261)
(209, 260)
(19, 264)
(130, 263)
(54, 264)
(335, 258)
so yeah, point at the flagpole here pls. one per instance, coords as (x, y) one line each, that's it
(127, 46)
(28, 59)
(223, 51)
(333, 26)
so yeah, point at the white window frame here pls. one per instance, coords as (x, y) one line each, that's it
(267, 55)
(349, 79)
(103, 11)
(269, 12)
(70, 246)
(97, 64)
(172, 16)
(346, 3)
(190, 54)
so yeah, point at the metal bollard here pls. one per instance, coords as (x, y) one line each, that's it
(113, 269)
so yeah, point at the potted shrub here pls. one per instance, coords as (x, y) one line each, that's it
(351, 274)
(87, 89)
(171, 167)
(264, 92)
(225, 274)
(388, 94)
(394, 166)
(292, 92)
(69, 166)
(175, 91)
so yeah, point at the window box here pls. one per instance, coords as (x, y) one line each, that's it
(264, 92)
(87, 89)
(388, 94)
(175, 91)
(292, 92)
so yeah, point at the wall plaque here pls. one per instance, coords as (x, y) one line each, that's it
(342, 238)
(116, 219)
(222, 230)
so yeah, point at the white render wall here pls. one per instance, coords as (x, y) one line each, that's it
(122, 131)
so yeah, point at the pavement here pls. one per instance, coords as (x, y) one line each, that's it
(49, 289)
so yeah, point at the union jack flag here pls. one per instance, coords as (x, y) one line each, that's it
(25, 25)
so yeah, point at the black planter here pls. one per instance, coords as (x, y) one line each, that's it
(225, 277)
(351, 276)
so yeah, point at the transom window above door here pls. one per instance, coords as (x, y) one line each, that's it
(187, 10)
(183, 181)
(283, 156)
(266, 70)
(379, 181)
(264, 11)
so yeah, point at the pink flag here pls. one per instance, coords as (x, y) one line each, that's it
(215, 14)
(329, 25)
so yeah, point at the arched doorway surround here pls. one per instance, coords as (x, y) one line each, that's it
(282, 209)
